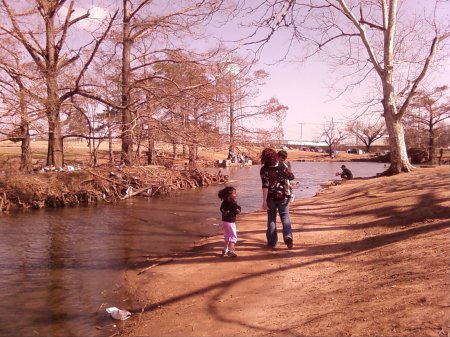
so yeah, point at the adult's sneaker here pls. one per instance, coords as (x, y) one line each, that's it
(289, 242)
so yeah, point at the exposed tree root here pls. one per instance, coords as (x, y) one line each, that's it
(392, 170)
(107, 184)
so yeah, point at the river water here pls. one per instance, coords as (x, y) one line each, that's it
(60, 268)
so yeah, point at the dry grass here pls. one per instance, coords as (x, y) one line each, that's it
(74, 151)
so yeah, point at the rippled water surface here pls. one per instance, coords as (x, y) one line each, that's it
(60, 268)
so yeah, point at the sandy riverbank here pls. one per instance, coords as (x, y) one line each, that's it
(370, 257)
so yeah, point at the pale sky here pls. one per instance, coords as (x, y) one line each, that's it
(304, 89)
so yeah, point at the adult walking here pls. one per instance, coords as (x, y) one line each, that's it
(276, 197)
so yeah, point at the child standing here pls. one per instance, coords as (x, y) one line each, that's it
(229, 209)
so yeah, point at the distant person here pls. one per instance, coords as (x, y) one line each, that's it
(231, 155)
(282, 159)
(346, 173)
(275, 197)
(229, 209)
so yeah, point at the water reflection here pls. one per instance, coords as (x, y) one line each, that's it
(61, 267)
(309, 175)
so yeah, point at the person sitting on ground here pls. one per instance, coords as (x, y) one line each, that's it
(346, 173)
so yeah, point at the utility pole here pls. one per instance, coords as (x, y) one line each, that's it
(301, 131)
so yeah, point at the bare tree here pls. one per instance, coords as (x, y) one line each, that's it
(95, 114)
(16, 102)
(147, 34)
(430, 109)
(88, 121)
(51, 57)
(445, 139)
(366, 131)
(394, 44)
(239, 85)
(187, 103)
(333, 135)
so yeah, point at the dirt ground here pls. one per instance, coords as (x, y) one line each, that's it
(370, 258)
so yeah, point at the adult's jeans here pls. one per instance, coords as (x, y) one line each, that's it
(282, 206)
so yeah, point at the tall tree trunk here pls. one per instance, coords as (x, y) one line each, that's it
(192, 156)
(95, 156)
(431, 148)
(399, 156)
(26, 164)
(174, 149)
(232, 119)
(185, 125)
(110, 148)
(55, 153)
(127, 136)
(151, 158)
(138, 149)
(91, 144)
(151, 154)
(110, 140)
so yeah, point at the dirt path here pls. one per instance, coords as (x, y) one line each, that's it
(370, 257)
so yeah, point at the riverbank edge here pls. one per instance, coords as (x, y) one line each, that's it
(107, 184)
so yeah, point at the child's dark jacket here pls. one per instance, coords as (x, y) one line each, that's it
(229, 210)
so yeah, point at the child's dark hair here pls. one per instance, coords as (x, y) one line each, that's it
(282, 154)
(225, 193)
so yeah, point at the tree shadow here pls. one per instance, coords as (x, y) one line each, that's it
(331, 252)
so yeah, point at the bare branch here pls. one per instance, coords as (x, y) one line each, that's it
(91, 57)
(425, 67)
(18, 34)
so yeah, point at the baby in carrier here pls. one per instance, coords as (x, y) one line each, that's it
(282, 156)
